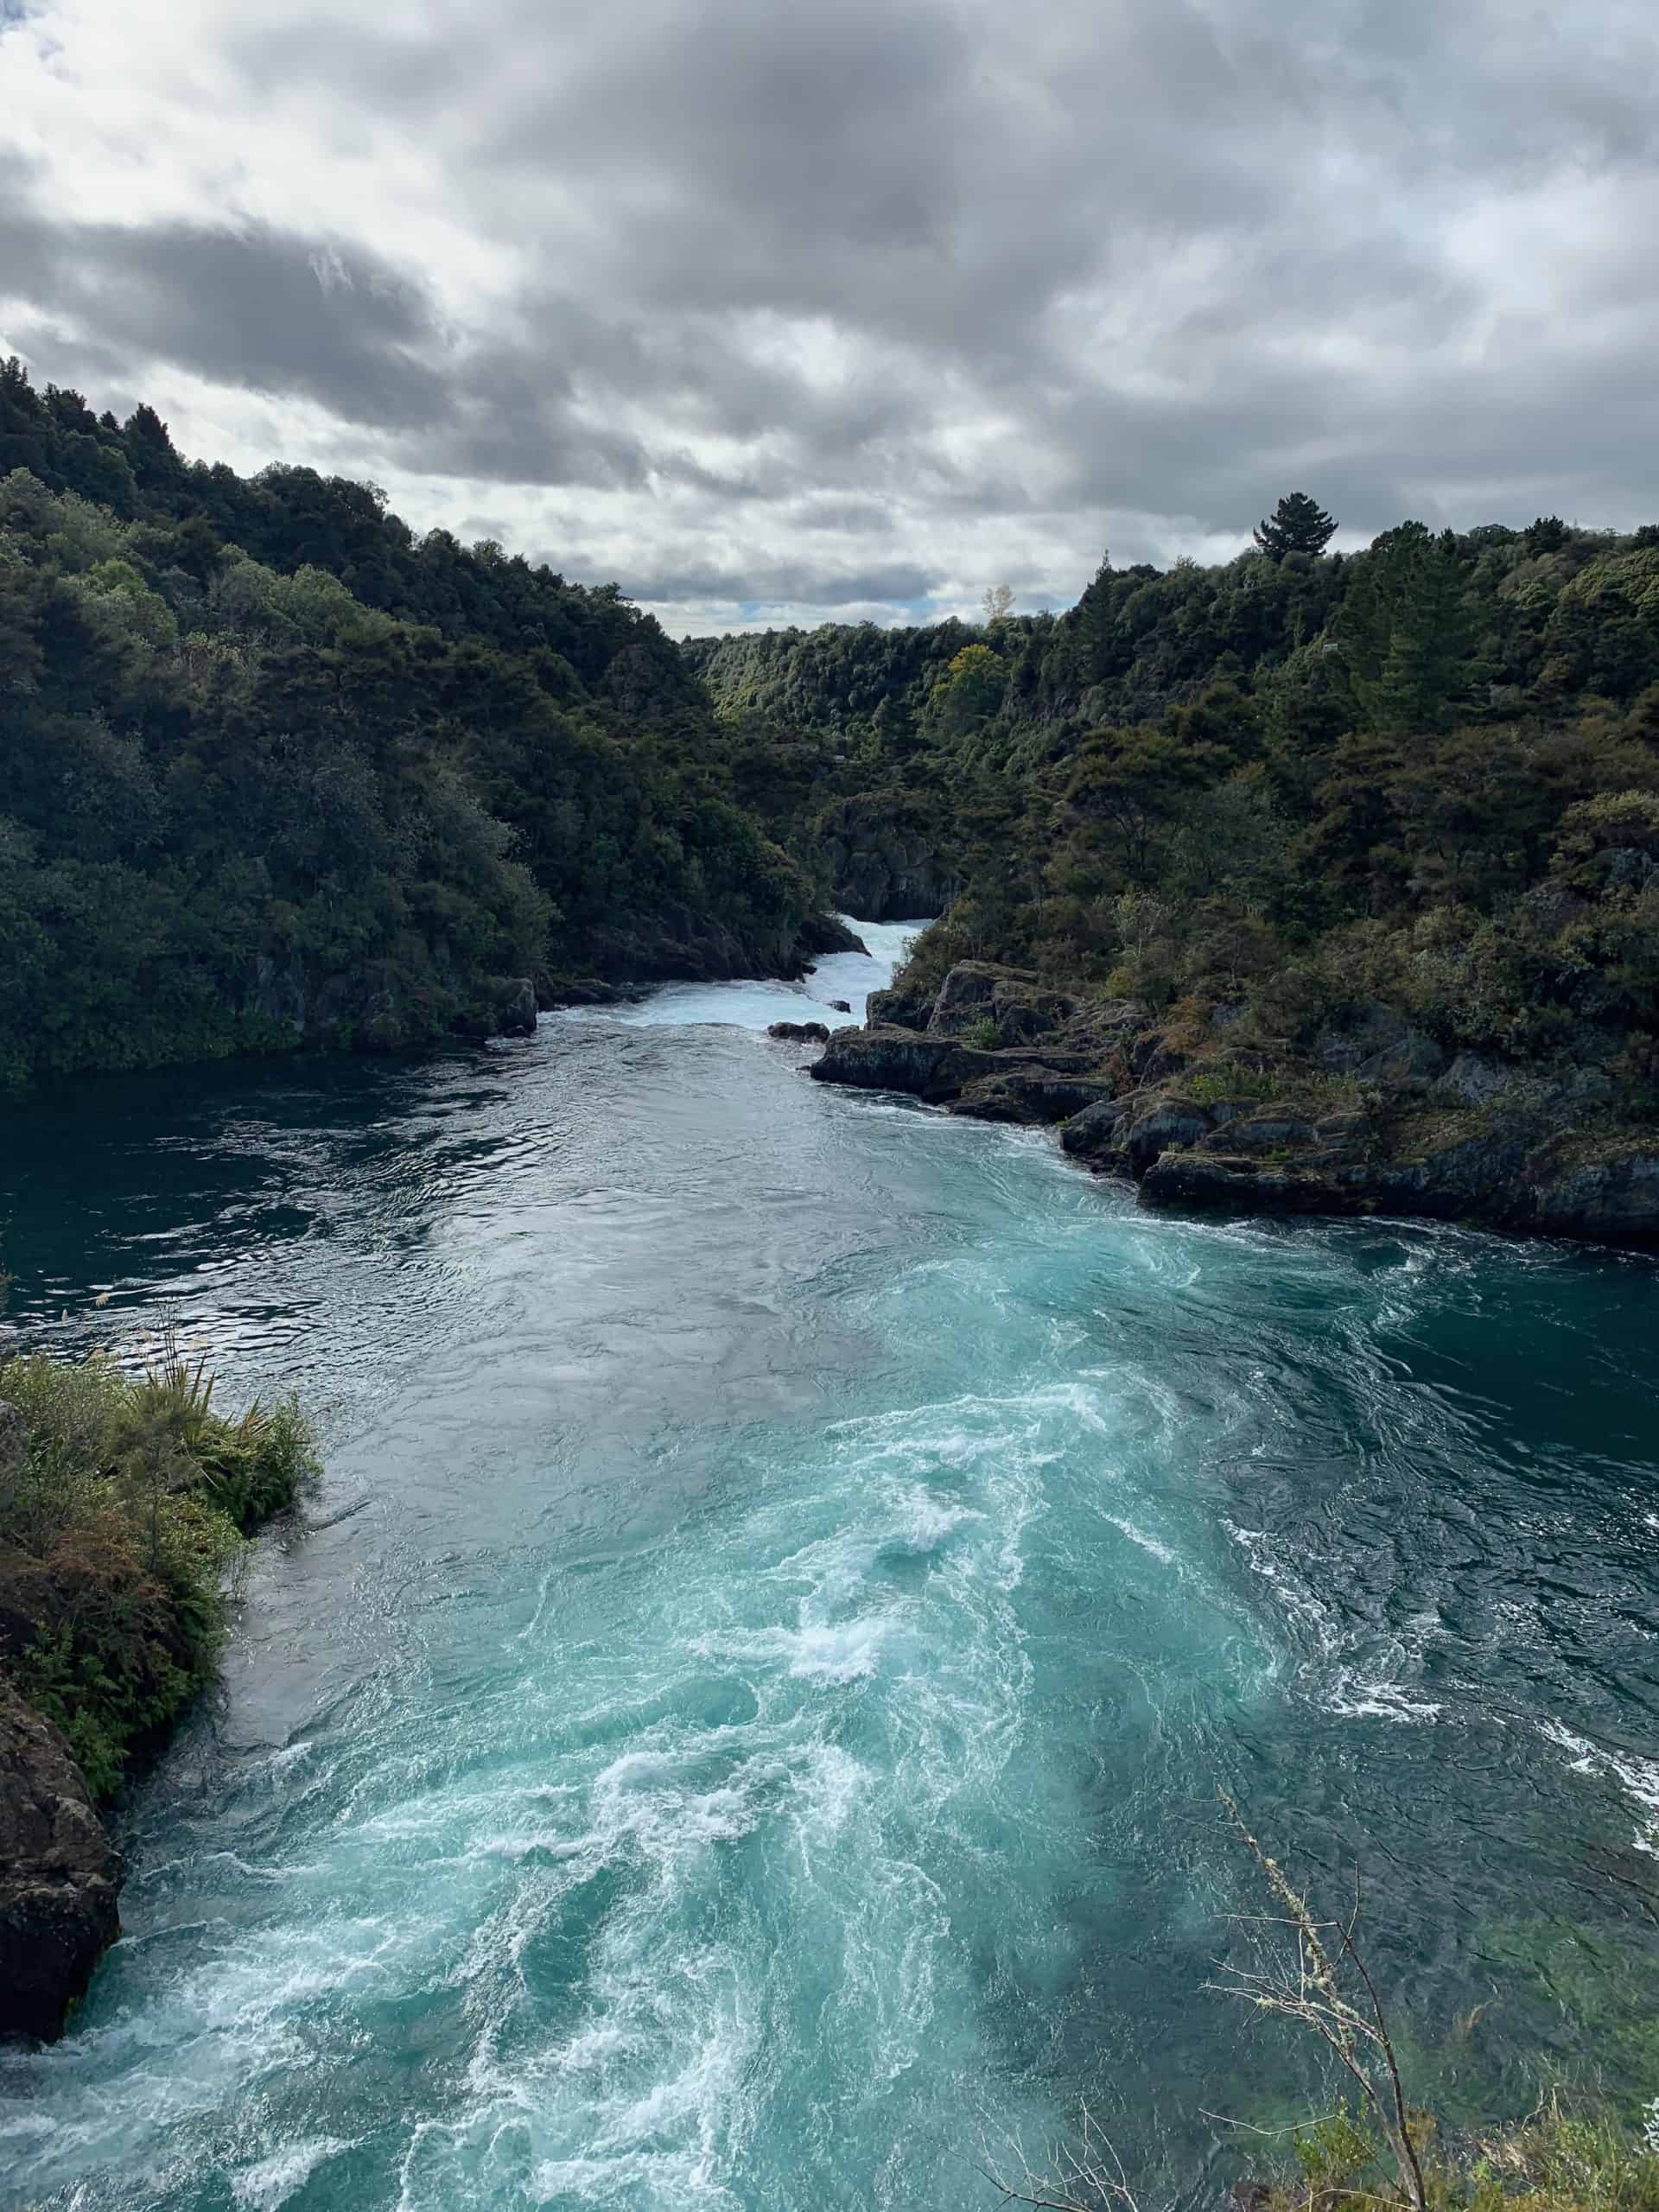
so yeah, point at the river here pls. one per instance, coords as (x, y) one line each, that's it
(744, 1724)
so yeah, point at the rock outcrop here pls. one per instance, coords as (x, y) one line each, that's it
(506, 1008)
(933, 1068)
(1609, 1201)
(884, 861)
(1379, 1046)
(1473, 1140)
(799, 1032)
(584, 990)
(516, 1010)
(1008, 1004)
(60, 1876)
(899, 1008)
(821, 934)
(1030, 1094)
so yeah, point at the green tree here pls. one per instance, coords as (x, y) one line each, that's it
(1297, 524)
(969, 690)
(1404, 632)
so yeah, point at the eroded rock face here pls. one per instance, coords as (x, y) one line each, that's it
(60, 1876)
(899, 1008)
(1268, 1129)
(886, 867)
(1167, 1125)
(1207, 1182)
(517, 1008)
(1010, 1000)
(1381, 1046)
(934, 1068)
(824, 934)
(1475, 1081)
(1096, 1135)
(1133, 1131)
(1612, 1201)
(1030, 1096)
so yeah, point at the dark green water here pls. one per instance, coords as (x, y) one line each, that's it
(812, 1563)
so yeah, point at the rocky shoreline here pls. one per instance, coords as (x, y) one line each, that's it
(60, 1876)
(1373, 1118)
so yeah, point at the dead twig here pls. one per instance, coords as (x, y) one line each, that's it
(1309, 1989)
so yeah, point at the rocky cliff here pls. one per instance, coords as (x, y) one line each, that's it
(60, 1876)
(885, 857)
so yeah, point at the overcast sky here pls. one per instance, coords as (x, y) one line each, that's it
(780, 311)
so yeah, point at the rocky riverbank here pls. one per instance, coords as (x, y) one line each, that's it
(1373, 1118)
(123, 1500)
(60, 1875)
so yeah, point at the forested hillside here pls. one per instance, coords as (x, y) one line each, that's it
(1429, 772)
(275, 769)
(1272, 805)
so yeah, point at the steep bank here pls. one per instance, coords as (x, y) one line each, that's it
(1375, 1120)
(1290, 807)
(884, 853)
(690, 948)
(123, 1500)
(60, 1875)
(279, 775)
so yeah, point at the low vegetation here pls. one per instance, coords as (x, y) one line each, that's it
(124, 1502)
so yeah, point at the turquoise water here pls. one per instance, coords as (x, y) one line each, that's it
(744, 1725)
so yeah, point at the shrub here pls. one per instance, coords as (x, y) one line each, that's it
(129, 1499)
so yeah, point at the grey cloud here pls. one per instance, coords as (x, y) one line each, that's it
(283, 315)
(248, 306)
(783, 584)
(842, 292)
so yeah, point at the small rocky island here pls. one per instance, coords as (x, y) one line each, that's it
(1371, 1118)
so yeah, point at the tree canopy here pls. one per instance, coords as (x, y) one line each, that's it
(274, 766)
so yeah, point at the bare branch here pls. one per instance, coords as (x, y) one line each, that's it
(1311, 1993)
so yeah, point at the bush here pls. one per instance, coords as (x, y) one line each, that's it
(122, 1506)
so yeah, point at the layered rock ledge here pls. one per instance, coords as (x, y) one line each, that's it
(1370, 1118)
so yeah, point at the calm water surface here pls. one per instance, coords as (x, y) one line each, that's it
(745, 1718)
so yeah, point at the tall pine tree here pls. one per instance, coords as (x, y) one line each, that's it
(1297, 524)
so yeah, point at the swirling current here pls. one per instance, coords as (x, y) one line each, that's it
(741, 1726)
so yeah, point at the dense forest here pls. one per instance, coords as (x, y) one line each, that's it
(1425, 775)
(275, 768)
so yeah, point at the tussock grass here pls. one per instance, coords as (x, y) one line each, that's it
(124, 1502)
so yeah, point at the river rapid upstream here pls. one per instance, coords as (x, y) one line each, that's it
(742, 1727)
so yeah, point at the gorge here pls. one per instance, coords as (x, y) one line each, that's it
(740, 1723)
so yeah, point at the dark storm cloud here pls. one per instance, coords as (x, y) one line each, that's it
(815, 302)
(248, 306)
